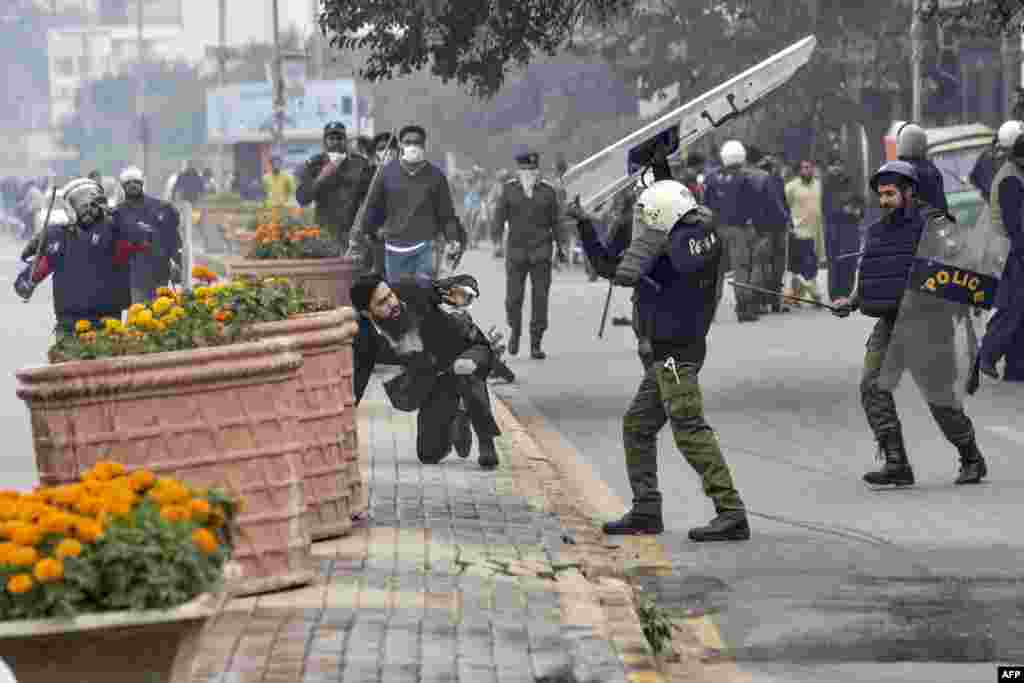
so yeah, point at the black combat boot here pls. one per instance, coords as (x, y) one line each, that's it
(535, 351)
(972, 466)
(895, 470)
(488, 459)
(513, 341)
(462, 435)
(729, 525)
(635, 523)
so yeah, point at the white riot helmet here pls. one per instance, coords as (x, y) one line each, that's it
(1008, 134)
(911, 142)
(661, 205)
(733, 153)
(132, 174)
(82, 194)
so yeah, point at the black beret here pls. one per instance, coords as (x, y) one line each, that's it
(528, 158)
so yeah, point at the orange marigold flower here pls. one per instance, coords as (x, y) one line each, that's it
(28, 534)
(68, 495)
(118, 506)
(20, 583)
(22, 556)
(142, 480)
(7, 528)
(175, 513)
(69, 547)
(199, 509)
(8, 510)
(57, 522)
(88, 531)
(48, 570)
(205, 540)
(223, 316)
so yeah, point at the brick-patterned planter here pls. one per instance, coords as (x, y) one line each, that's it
(217, 416)
(333, 483)
(328, 279)
(112, 647)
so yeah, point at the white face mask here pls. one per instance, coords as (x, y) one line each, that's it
(336, 156)
(412, 154)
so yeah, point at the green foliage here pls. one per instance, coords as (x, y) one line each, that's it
(656, 624)
(472, 42)
(989, 18)
(142, 561)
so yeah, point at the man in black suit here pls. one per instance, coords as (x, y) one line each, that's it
(446, 359)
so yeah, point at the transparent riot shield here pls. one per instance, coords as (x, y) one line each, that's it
(941, 320)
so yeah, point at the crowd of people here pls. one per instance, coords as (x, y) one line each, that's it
(672, 242)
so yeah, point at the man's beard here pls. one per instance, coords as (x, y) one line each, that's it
(396, 328)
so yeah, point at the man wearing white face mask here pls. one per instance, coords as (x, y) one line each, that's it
(532, 210)
(409, 208)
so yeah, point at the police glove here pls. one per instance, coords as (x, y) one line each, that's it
(23, 285)
(842, 308)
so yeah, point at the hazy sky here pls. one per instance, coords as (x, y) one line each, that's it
(247, 20)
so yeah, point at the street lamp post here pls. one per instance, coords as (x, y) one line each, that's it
(278, 85)
(916, 57)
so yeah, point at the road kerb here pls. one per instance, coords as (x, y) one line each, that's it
(582, 500)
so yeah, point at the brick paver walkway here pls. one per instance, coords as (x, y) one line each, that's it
(459, 575)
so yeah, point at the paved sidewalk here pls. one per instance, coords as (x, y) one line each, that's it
(459, 575)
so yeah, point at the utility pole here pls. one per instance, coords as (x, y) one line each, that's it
(916, 57)
(140, 97)
(222, 29)
(278, 86)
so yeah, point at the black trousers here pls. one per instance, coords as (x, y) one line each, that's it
(515, 293)
(436, 419)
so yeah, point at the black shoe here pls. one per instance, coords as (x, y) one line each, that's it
(729, 525)
(622, 321)
(462, 435)
(488, 459)
(501, 371)
(747, 317)
(535, 351)
(634, 524)
(895, 470)
(972, 466)
(513, 342)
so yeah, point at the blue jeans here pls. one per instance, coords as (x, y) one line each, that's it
(419, 262)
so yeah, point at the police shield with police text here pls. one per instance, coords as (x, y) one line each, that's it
(925, 278)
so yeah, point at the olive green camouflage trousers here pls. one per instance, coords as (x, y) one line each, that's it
(660, 398)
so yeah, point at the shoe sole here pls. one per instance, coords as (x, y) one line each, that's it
(632, 532)
(714, 539)
(888, 487)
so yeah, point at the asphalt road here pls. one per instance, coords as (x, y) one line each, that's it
(838, 583)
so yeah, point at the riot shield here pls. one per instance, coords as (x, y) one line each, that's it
(938, 330)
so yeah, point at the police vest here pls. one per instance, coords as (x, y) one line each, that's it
(889, 251)
(1007, 170)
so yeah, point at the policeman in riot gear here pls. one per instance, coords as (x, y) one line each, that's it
(889, 251)
(162, 262)
(912, 147)
(89, 259)
(672, 260)
(728, 193)
(991, 160)
(531, 208)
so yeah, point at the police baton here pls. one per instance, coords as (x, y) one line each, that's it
(42, 237)
(752, 288)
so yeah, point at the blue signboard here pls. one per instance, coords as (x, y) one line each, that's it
(244, 112)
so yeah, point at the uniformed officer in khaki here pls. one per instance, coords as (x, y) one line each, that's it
(531, 209)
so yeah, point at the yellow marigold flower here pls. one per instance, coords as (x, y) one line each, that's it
(159, 325)
(202, 292)
(83, 326)
(88, 530)
(28, 534)
(87, 337)
(178, 312)
(135, 309)
(48, 570)
(199, 509)
(144, 317)
(111, 325)
(205, 540)
(165, 291)
(175, 513)
(162, 305)
(22, 556)
(142, 480)
(20, 583)
(69, 547)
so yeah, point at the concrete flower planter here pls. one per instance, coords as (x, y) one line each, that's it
(152, 646)
(220, 416)
(328, 279)
(332, 479)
